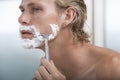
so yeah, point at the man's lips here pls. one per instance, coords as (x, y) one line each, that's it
(26, 34)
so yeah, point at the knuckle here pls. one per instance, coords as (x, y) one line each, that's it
(64, 78)
(50, 78)
(40, 68)
(56, 75)
(36, 73)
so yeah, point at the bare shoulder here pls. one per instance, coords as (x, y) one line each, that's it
(109, 66)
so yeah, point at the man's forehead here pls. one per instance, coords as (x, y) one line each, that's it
(26, 2)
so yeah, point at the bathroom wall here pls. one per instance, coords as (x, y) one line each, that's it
(112, 26)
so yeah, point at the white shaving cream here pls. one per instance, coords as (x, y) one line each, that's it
(38, 39)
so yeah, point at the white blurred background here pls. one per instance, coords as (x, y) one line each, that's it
(103, 18)
(17, 63)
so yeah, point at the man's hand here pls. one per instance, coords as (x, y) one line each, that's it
(48, 71)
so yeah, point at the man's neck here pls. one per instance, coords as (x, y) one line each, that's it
(63, 42)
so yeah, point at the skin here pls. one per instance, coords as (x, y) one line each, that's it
(70, 59)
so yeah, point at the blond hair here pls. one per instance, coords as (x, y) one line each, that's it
(77, 27)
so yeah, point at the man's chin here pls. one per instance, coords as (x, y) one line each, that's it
(30, 38)
(32, 44)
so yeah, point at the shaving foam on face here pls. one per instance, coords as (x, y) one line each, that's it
(35, 42)
(29, 44)
(38, 39)
(55, 30)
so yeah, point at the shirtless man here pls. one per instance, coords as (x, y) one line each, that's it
(72, 57)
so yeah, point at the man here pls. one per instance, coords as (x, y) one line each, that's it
(71, 55)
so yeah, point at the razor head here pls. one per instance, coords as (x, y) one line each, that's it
(45, 36)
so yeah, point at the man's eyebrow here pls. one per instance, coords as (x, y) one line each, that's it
(30, 4)
(20, 7)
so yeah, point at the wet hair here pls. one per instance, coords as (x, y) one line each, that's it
(77, 25)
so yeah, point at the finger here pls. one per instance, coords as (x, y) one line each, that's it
(55, 69)
(44, 73)
(58, 72)
(48, 66)
(38, 76)
(34, 78)
(53, 65)
(51, 61)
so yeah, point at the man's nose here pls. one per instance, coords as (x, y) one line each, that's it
(25, 19)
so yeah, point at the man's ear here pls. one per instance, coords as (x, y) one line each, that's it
(69, 15)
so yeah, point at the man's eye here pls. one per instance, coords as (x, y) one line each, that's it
(22, 10)
(35, 9)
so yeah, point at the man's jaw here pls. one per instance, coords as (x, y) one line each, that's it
(33, 39)
(30, 38)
